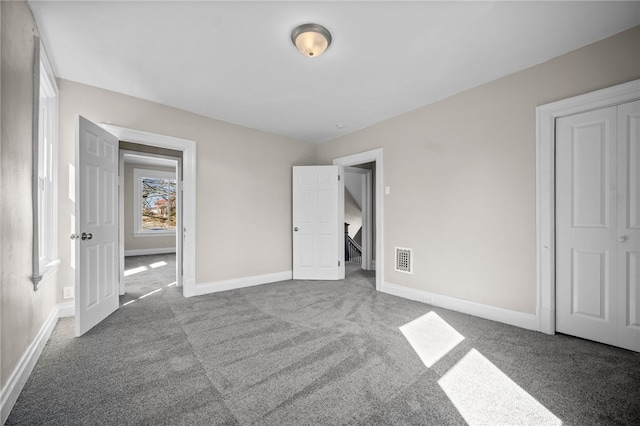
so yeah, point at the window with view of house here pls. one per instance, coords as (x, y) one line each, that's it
(155, 202)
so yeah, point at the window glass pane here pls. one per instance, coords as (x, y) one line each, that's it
(158, 204)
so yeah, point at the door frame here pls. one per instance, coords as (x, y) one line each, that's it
(189, 231)
(367, 235)
(375, 155)
(122, 153)
(546, 116)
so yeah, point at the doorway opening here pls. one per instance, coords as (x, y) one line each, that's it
(359, 217)
(365, 168)
(150, 218)
(186, 227)
(98, 270)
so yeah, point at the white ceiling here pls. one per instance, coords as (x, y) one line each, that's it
(234, 61)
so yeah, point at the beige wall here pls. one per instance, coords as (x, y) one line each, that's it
(462, 175)
(243, 181)
(130, 241)
(22, 311)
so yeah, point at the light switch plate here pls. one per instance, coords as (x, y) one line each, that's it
(67, 293)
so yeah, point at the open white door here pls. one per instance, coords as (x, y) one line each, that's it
(318, 223)
(96, 254)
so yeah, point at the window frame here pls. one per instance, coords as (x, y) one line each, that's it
(138, 175)
(45, 168)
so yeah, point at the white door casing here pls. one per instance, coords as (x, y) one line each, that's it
(179, 227)
(376, 156)
(188, 191)
(96, 224)
(318, 223)
(546, 116)
(597, 225)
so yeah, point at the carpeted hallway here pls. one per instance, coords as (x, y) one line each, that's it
(315, 352)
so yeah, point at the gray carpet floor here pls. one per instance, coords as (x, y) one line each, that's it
(313, 353)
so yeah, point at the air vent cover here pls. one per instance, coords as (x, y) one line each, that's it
(404, 263)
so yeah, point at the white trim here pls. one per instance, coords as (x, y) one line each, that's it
(493, 313)
(546, 116)
(66, 309)
(121, 256)
(152, 234)
(187, 232)
(21, 373)
(50, 269)
(374, 155)
(144, 252)
(235, 283)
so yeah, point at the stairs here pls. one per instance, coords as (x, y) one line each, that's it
(352, 250)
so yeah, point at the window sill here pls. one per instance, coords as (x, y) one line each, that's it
(47, 271)
(155, 234)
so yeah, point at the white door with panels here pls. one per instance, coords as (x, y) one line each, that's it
(96, 222)
(318, 223)
(598, 225)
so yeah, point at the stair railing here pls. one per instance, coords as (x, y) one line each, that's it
(354, 251)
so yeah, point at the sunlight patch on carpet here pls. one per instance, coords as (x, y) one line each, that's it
(142, 297)
(485, 395)
(431, 337)
(135, 270)
(158, 264)
(150, 293)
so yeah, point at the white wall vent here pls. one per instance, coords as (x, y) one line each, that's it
(404, 262)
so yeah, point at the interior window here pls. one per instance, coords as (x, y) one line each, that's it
(45, 164)
(155, 202)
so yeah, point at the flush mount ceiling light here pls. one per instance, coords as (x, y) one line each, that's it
(311, 39)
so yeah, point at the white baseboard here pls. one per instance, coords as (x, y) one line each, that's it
(235, 283)
(66, 309)
(144, 252)
(25, 366)
(494, 313)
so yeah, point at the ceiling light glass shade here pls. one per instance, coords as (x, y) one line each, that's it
(311, 39)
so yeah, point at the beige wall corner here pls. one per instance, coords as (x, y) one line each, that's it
(462, 175)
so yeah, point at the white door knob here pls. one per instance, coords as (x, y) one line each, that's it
(622, 239)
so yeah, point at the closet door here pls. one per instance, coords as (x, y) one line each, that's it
(586, 225)
(629, 225)
(597, 245)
